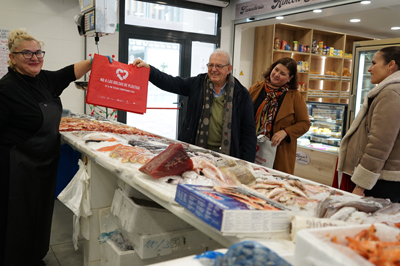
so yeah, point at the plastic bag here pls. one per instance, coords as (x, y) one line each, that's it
(118, 238)
(265, 154)
(245, 253)
(76, 196)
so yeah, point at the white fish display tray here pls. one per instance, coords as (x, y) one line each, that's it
(315, 248)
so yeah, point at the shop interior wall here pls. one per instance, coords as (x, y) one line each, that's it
(226, 28)
(51, 21)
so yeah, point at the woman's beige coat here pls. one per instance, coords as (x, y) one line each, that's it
(293, 117)
(370, 150)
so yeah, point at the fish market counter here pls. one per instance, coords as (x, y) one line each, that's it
(219, 202)
(107, 175)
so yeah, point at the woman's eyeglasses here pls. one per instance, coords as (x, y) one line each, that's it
(29, 55)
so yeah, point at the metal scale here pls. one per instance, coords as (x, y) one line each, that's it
(98, 18)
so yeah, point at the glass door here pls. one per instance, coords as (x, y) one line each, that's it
(363, 79)
(161, 115)
(168, 36)
(162, 107)
(363, 52)
(201, 52)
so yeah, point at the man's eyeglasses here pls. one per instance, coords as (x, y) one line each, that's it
(218, 67)
(29, 55)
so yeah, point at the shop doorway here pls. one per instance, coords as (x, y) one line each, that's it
(166, 37)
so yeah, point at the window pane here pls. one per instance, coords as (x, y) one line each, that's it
(152, 15)
(166, 57)
(201, 52)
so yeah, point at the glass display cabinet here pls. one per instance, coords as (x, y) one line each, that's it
(328, 126)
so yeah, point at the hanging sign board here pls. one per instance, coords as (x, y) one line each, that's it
(118, 85)
(262, 7)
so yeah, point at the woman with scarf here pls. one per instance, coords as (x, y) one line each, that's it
(280, 111)
(370, 150)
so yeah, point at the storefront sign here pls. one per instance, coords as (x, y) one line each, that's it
(261, 7)
(302, 158)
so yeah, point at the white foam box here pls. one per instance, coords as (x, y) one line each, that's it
(144, 220)
(315, 248)
(111, 255)
(179, 243)
(150, 248)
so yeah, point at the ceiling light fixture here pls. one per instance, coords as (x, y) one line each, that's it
(365, 2)
(395, 28)
(279, 17)
(355, 20)
(317, 10)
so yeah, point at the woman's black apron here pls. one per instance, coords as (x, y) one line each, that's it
(33, 176)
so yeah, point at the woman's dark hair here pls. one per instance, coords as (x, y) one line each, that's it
(291, 65)
(391, 53)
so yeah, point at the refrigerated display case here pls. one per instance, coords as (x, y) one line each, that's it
(328, 125)
(318, 149)
(363, 53)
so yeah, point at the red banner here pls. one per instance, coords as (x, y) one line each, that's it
(118, 85)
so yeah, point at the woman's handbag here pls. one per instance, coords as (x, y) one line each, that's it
(265, 154)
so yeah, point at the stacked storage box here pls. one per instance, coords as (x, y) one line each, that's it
(155, 233)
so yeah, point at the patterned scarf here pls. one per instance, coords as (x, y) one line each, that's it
(268, 108)
(204, 122)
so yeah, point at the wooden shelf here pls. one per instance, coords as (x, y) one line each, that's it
(322, 85)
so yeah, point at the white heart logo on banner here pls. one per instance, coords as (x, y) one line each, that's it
(122, 77)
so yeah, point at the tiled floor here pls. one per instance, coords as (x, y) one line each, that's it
(61, 251)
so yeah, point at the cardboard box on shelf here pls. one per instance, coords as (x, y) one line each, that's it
(229, 215)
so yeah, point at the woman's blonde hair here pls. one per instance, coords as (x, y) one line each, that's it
(15, 38)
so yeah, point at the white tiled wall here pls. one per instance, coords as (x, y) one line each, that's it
(52, 21)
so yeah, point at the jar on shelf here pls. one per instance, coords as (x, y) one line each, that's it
(294, 45)
(314, 47)
(302, 86)
(320, 47)
(277, 43)
(331, 51)
(283, 44)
